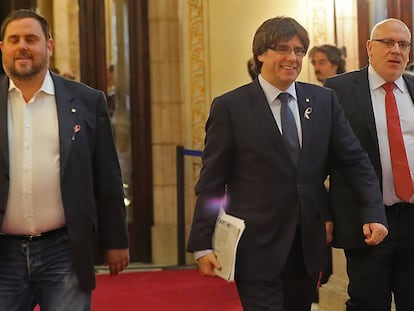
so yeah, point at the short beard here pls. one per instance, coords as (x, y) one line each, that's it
(26, 74)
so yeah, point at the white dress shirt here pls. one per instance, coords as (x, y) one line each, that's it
(406, 113)
(34, 202)
(271, 93)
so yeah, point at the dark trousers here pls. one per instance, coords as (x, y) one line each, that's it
(292, 290)
(327, 269)
(377, 272)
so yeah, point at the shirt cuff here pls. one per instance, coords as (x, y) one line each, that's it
(199, 254)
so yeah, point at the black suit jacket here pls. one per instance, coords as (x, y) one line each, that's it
(91, 183)
(354, 95)
(245, 154)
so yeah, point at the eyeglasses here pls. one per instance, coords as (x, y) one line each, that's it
(285, 50)
(389, 43)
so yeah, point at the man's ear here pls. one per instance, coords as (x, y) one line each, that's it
(50, 45)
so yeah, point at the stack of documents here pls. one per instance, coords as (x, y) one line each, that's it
(226, 237)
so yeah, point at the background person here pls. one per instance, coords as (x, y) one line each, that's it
(376, 272)
(274, 178)
(327, 61)
(251, 68)
(60, 180)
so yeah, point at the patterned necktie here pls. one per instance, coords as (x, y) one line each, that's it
(403, 183)
(289, 129)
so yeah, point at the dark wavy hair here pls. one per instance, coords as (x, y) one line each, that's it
(335, 55)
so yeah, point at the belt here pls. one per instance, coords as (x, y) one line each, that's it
(34, 237)
(398, 206)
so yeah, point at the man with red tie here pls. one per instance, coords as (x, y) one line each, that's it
(378, 101)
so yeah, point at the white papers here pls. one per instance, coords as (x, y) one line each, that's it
(226, 237)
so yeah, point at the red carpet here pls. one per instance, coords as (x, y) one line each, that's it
(172, 290)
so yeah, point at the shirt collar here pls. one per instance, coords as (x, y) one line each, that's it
(272, 92)
(47, 85)
(375, 80)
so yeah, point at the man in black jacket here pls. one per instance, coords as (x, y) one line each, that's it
(377, 271)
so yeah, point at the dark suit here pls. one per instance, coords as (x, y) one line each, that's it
(91, 184)
(355, 97)
(366, 275)
(245, 151)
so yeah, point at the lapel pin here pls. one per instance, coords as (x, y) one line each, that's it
(76, 129)
(307, 100)
(73, 110)
(308, 111)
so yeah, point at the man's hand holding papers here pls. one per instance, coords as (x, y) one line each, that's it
(221, 261)
(226, 237)
(208, 264)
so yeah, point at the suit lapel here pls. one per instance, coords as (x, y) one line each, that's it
(261, 110)
(361, 89)
(264, 116)
(409, 80)
(4, 141)
(68, 110)
(305, 106)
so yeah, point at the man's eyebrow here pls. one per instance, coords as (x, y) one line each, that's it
(23, 36)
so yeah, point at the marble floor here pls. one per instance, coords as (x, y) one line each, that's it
(315, 307)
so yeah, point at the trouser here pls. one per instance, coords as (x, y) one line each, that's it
(377, 272)
(39, 271)
(292, 290)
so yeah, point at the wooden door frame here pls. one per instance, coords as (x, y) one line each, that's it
(93, 72)
(141, 134)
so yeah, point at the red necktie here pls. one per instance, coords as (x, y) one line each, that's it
(403, 183)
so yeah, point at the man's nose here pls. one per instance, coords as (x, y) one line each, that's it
(396, 48)
(23, 44)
